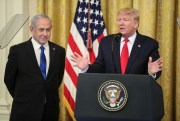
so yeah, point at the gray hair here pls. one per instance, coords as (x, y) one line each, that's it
(36, 17)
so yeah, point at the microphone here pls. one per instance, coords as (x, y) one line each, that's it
(116, 38)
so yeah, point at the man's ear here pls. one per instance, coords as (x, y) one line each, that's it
(136, 25)
(30, 28)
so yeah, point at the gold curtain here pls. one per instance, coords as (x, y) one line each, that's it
(157, 20)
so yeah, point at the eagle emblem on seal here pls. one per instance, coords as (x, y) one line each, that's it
(112, 95)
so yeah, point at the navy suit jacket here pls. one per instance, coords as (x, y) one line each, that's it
(108, 59)
(27, 86)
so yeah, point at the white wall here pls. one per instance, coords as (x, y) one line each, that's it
(9, 8)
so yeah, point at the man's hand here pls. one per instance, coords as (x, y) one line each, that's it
(154, 67)
(80, 62)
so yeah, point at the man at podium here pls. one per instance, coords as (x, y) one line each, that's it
(127, 52)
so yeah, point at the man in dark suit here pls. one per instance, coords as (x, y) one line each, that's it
(141, 51)
(35, 93)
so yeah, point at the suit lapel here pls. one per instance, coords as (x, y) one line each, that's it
(31, 54)
(52, 51)
(134, 52)
(117, 57)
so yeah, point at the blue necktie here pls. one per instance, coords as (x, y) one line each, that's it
(43, 62)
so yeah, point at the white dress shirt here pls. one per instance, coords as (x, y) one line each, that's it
(37, 51)
(129, 44)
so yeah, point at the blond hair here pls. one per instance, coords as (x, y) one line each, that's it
(130, 11)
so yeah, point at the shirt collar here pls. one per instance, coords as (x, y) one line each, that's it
(36, 45)
(131, 38)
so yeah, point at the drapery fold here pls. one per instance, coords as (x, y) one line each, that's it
(157, 20)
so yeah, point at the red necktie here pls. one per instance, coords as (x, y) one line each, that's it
(124, 56)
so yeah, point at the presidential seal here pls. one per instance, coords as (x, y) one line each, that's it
(112, 95)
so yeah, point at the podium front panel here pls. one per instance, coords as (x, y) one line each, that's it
(145, 101)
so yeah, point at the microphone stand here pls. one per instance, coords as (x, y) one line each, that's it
(116, 38)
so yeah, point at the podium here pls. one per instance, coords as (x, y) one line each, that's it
(144, 102)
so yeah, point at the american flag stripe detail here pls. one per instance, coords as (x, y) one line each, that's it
(77, 43)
